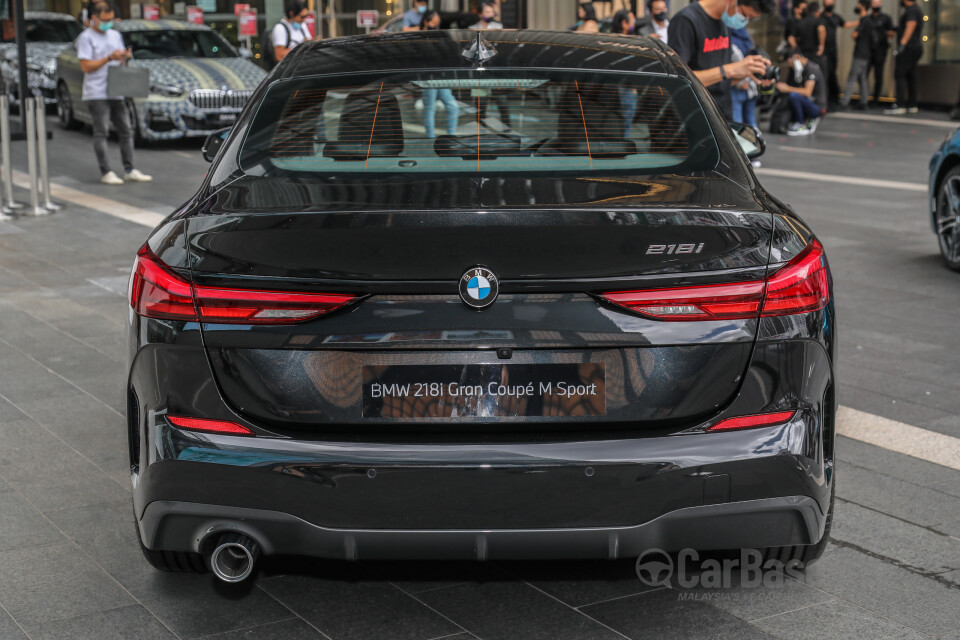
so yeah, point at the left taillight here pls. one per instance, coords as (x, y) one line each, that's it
(800, 286)
(157, 292)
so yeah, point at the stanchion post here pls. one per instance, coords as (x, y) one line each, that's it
(48, 203)
(9, 204)
(30, 116)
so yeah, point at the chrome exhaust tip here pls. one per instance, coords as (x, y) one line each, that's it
(233, 558)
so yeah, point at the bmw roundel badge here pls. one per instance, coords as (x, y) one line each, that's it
(479, 287)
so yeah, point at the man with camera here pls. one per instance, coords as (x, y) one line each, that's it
(806, 93)
(700, 34)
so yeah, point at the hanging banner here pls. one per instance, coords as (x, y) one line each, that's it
(248, 22)
(195, 15)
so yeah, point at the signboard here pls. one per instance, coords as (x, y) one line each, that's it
(151, 11)
(195, 15)
(208, 6)
(368, 18)
(310, 22)
(240, 8)
(248, 22)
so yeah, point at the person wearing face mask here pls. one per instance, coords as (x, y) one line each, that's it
(880, 32)
(812, 35)
(700, 35)
(289, 32)
(832, 21)
(659, 25)
(861, 62)
(907, 55)
(623, 23)
(799, 10)
(413, 17)
(100, 47)
(806, 92)
(488, 17)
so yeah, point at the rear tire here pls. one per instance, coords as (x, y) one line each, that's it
(948, 218)
(806, 554)
(172, 561)
(65, 108)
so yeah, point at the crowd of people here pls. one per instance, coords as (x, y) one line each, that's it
(709, 35)
(734, 70)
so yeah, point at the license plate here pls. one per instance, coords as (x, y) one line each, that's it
(227, 118)
(484, 391)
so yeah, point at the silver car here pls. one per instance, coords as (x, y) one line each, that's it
(198, 82)
(47, 35)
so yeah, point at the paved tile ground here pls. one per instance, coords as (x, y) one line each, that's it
(69, 562)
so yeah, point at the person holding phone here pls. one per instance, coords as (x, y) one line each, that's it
(99, 47)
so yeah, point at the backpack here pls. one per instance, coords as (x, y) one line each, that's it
(780, 115)
(267, 53)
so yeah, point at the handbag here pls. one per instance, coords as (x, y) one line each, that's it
(128, 82)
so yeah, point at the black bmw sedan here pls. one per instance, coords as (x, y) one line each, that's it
(451, 296)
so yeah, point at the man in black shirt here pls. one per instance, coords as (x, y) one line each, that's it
(860, 66)
(699, 34)
(907, 54)
(880, 32)
(833, 21)
(798, 9)
(807, 94)
(812, 34)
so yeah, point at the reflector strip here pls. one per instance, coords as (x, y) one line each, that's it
(210, 426)
(752, 422)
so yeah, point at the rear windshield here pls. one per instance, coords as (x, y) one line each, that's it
(480, 121)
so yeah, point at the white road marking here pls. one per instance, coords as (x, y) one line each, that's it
(902, 438)
(924, 122)
(824, 177)
(108, 206)
(824, 152)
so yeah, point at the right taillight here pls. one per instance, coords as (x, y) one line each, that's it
(157, 292)
(799, 286)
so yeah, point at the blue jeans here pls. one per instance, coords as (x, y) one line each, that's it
(445, 96)
(744, 109)
(803, 108)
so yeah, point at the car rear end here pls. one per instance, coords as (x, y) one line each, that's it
(655, 369)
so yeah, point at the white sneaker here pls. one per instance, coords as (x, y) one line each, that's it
(798, 129)
(895, 111)
(913, 109)
(135, 175)
(812, 124)
(111, 178)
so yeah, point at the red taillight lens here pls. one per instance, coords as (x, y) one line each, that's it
(752, 422)
(157, 292)
(799, 286)
(708, 302)
(264, 307)
(210, 426)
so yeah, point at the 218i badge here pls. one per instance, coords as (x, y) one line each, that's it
(479, 287)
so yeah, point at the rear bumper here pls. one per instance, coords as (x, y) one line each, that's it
(750, 524)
